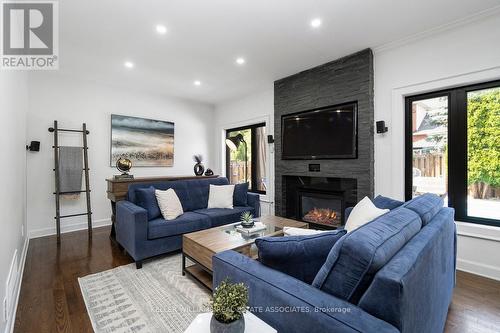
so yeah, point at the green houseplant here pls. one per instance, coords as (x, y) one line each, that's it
(228, 304)
(247, 220)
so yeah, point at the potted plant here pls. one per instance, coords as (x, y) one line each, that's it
(228, 304)
(247, 220)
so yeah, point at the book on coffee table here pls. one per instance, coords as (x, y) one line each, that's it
(258, 226)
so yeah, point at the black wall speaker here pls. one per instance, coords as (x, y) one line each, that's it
(270, 139)
(34, 146)
(381, 128)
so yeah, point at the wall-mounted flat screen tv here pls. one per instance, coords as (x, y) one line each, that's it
(326, 133)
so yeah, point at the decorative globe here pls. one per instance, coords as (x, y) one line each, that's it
(124, 165)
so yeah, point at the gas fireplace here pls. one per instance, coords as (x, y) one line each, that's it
(321, 207)
(322, 215)
(319, 201)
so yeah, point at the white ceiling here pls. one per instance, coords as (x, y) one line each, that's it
(206, 36)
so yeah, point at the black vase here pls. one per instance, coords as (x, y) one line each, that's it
(199, 169)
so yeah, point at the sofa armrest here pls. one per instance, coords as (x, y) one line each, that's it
(290, 305)
(131, 226)
(253, 200)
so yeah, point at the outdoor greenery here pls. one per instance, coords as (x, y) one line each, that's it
(229, 301)
(239, 154)
(483, 134)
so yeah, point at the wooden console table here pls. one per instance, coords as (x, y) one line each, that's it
(118, 188)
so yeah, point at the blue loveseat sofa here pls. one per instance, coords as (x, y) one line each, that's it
(393, 274)
(143, 232)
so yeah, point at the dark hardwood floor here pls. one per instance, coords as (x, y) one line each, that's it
(51, 301)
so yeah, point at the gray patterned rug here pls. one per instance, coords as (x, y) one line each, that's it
(156, 298)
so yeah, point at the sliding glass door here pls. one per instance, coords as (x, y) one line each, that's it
(453, 149)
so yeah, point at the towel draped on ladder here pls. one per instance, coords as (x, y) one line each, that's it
(70, 171)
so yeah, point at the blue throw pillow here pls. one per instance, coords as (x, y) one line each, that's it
(297, 256)
(146, 198)
(386, 203)
(240, 195)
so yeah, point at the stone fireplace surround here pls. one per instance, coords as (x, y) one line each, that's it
(349, 79)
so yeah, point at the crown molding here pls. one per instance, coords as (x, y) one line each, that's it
(437, 30)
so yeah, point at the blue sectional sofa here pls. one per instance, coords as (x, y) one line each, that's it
(143, 232)
(393, 274)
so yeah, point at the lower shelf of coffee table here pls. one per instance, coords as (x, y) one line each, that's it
(200, 275)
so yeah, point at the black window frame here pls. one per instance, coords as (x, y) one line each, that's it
(253, 176)
(457, 148)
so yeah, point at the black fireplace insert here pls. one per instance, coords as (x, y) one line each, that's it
(319, 201)
(321, 207)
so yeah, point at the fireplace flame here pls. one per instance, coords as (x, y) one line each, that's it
(321, 215)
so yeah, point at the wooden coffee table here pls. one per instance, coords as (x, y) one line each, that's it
(200, 246)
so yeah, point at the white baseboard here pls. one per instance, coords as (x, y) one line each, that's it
(67, 228)
(476, 268)
(9, 328)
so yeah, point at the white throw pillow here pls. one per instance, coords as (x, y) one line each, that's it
(292, 231)
(220, 196)
(169, 203)
(364, 212)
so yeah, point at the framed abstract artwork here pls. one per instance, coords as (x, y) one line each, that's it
(146, 142)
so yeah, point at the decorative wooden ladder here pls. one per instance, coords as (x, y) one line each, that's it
(57, 192)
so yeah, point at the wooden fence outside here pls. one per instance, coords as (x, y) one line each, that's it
(430, 165)
(237, 170)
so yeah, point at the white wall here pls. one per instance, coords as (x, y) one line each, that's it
(13, 241)
(463, 55)
(255, 108)
(72, 102)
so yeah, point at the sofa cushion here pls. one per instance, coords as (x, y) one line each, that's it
(146, 198)
(297, 256)
(426, 206)
(169, 203)
(220, 196)
(222, 216)
(294, 231)
(198, 190)
(364, 211)
(240, 195)
(356, 258)
(179, 186)
(386, 203)
(187, 222)
(379, 202)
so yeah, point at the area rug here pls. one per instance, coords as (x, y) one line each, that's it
(156, 298)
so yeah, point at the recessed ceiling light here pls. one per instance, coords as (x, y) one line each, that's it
(161, 29)
(315, 23)
(197, 83)
(240, 61)
(128, 64)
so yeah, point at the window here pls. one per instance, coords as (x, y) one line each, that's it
(453, 150)
(247, 160)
